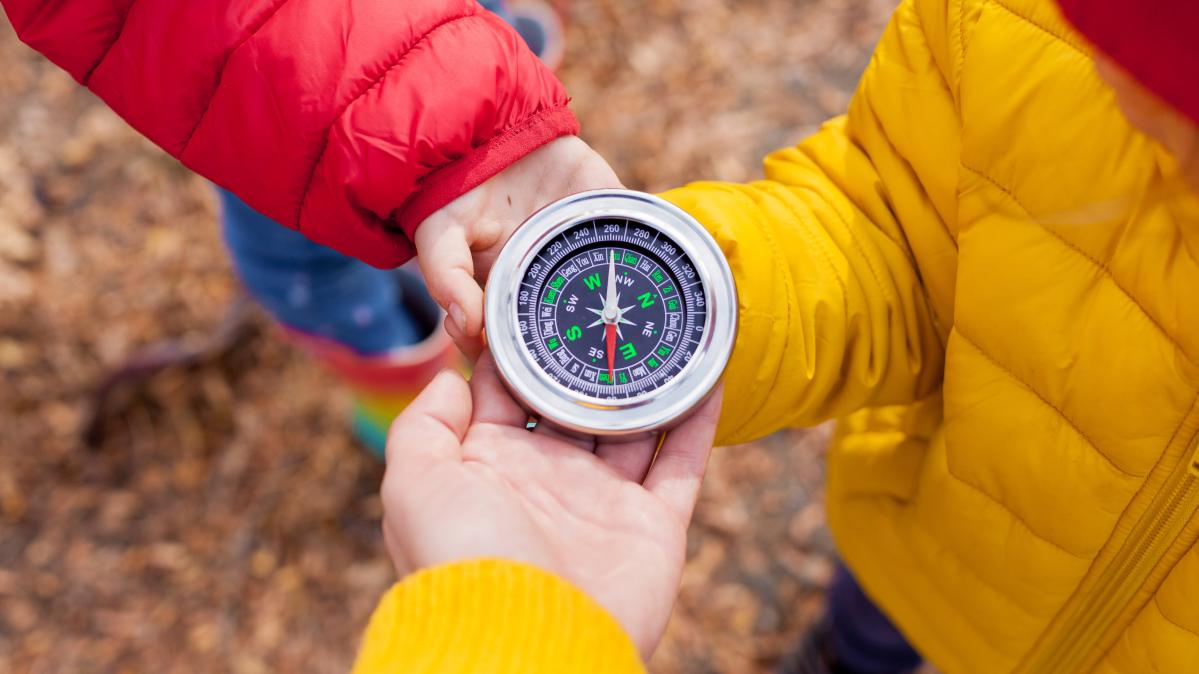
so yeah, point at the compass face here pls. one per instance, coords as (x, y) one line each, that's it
(611, 308)
(611, 313)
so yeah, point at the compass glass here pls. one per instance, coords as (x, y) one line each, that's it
(611, 309)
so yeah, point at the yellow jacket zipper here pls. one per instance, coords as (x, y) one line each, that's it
(1157, 529)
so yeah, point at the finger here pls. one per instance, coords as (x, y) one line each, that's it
(484, 261)
(471, 347)
(492, 402)
(630, 460)
(679, 469)
(445, 260)
(433, 425)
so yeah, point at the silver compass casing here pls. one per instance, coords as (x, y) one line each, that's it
(647, 413)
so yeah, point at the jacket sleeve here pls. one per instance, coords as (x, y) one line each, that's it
(492, 616)
(832, 251)
(350, 121)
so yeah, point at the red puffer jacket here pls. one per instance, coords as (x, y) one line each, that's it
(349, 120)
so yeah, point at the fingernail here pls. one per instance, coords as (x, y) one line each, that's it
(458, 317)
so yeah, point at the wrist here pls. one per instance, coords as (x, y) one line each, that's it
(453, 180)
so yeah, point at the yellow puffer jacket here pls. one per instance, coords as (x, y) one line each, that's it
(985, 245)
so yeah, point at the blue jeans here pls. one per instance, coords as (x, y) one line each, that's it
(498, 7)
(314, 289)
(863, 639)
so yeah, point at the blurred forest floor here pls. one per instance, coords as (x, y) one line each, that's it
(226, 522)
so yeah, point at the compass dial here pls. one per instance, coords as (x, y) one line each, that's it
(611, 309)
(611, 312)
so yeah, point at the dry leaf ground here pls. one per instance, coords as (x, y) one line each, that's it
(226, 523)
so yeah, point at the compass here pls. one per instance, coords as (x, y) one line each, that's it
(611, 312)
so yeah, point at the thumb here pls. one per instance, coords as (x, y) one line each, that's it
(445, 260)
(471, 347)
(677, 472)
(433, 425)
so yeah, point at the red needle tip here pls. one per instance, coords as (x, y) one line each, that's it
(610, 339)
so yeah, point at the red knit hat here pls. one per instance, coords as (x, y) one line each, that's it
(1156, 41)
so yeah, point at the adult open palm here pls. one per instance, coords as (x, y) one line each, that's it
(466, 480)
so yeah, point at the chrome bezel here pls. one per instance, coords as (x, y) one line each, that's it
(649, 412)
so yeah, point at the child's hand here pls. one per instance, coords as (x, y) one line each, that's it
(457, 245)
(465, 480)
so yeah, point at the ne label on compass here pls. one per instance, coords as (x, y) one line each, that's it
(611, 309)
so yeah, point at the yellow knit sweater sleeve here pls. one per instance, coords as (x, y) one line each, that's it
(492, 617)
(834, 250)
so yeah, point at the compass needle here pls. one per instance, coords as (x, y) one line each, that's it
(611, 301)
(610, 344)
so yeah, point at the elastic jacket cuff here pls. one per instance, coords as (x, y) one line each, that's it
(495, 617)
